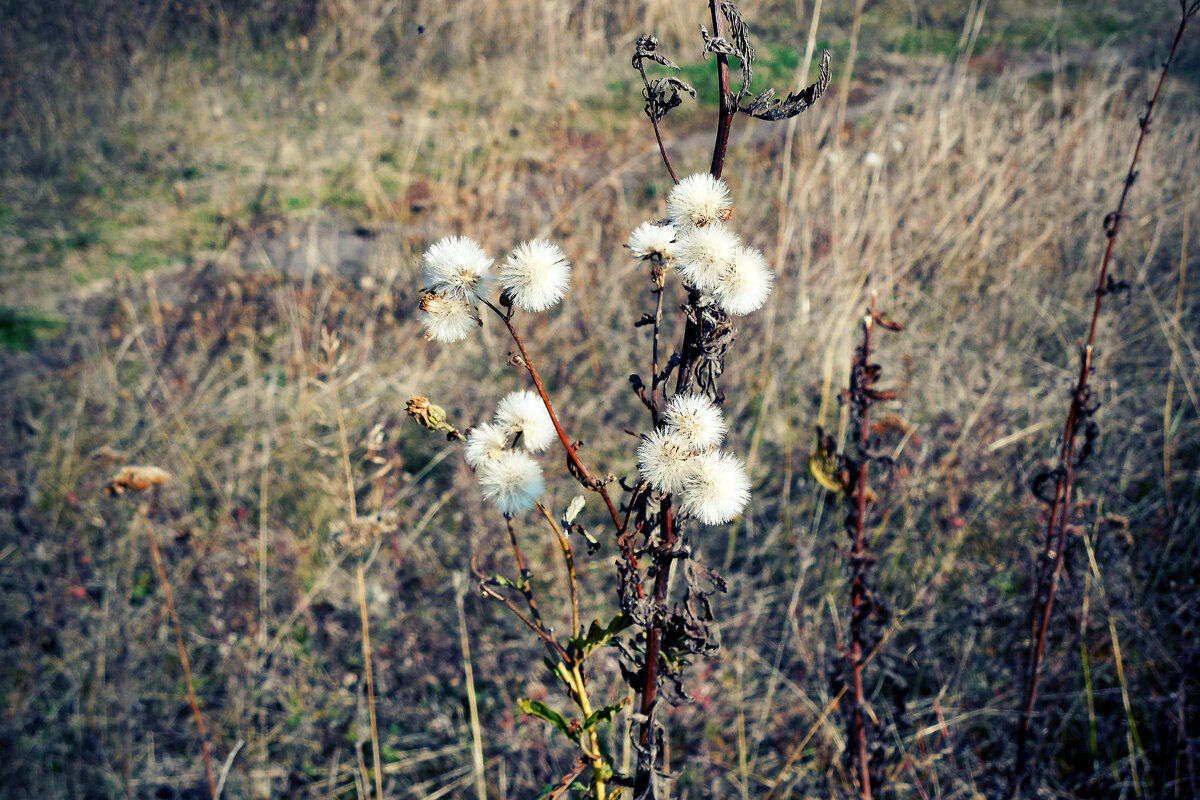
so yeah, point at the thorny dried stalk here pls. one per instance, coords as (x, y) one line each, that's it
(1079, 421)
(867, 610)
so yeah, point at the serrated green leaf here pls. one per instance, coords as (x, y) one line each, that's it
(536, 708)
(597, 635)
(602, 715)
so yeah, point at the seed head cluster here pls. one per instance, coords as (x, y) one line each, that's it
(707, 252)
(509, 476)
(457, 274)
(681, 457)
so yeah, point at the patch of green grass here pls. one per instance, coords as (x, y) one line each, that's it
(19, 330)
(146, 260)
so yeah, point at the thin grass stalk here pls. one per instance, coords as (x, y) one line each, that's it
(183, 656)
(1053, 556)
(366, 649)
(1132, 738)
(472, 705)
(1169, 401)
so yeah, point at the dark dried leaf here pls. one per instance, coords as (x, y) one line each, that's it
(764, 107)
(663, 94)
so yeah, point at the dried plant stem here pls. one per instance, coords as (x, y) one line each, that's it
(366, 648)
(569, 560)
(523, 570)
(859, 603)
(472, 704)
(556, 650)
(662, 558)
(569, 667)
(654, 377)
(728, 102)
(654, 116)
(1054, 553)
(578, 470)
(183, 656)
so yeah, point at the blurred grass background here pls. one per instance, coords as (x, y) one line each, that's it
(194, 192)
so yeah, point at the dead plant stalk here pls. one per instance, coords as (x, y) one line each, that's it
(1078, 416)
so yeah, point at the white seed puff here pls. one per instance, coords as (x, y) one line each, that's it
(536, 275)
(746, 284)
(717, 489)
(664, 460)
(513, 481)
(649, 240)
(458, 267)
(446, 318)
(485, 442)
(694, 417)
(524, 412)
(698, 200)
(705, 255)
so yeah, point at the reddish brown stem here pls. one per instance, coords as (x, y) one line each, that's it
(728, 106)
(526, 588)
(183, 656)
(1053, 556)
(547, 638)
(577, 468)
(662, 559)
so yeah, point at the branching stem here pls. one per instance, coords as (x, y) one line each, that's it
(577, 468)
(1054, 553)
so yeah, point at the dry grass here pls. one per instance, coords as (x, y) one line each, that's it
(980, 229)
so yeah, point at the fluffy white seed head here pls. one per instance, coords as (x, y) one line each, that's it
(446, 318)
(665, 460)
(459, 267)
(746, 285)
(717, 489)
(694, 418)
(698, 200)
(485, 442)
(536, 275)
(524, 412)
(649, 240)
(704, 255)
(513, 481)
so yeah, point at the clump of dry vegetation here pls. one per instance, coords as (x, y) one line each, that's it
(283, 170)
